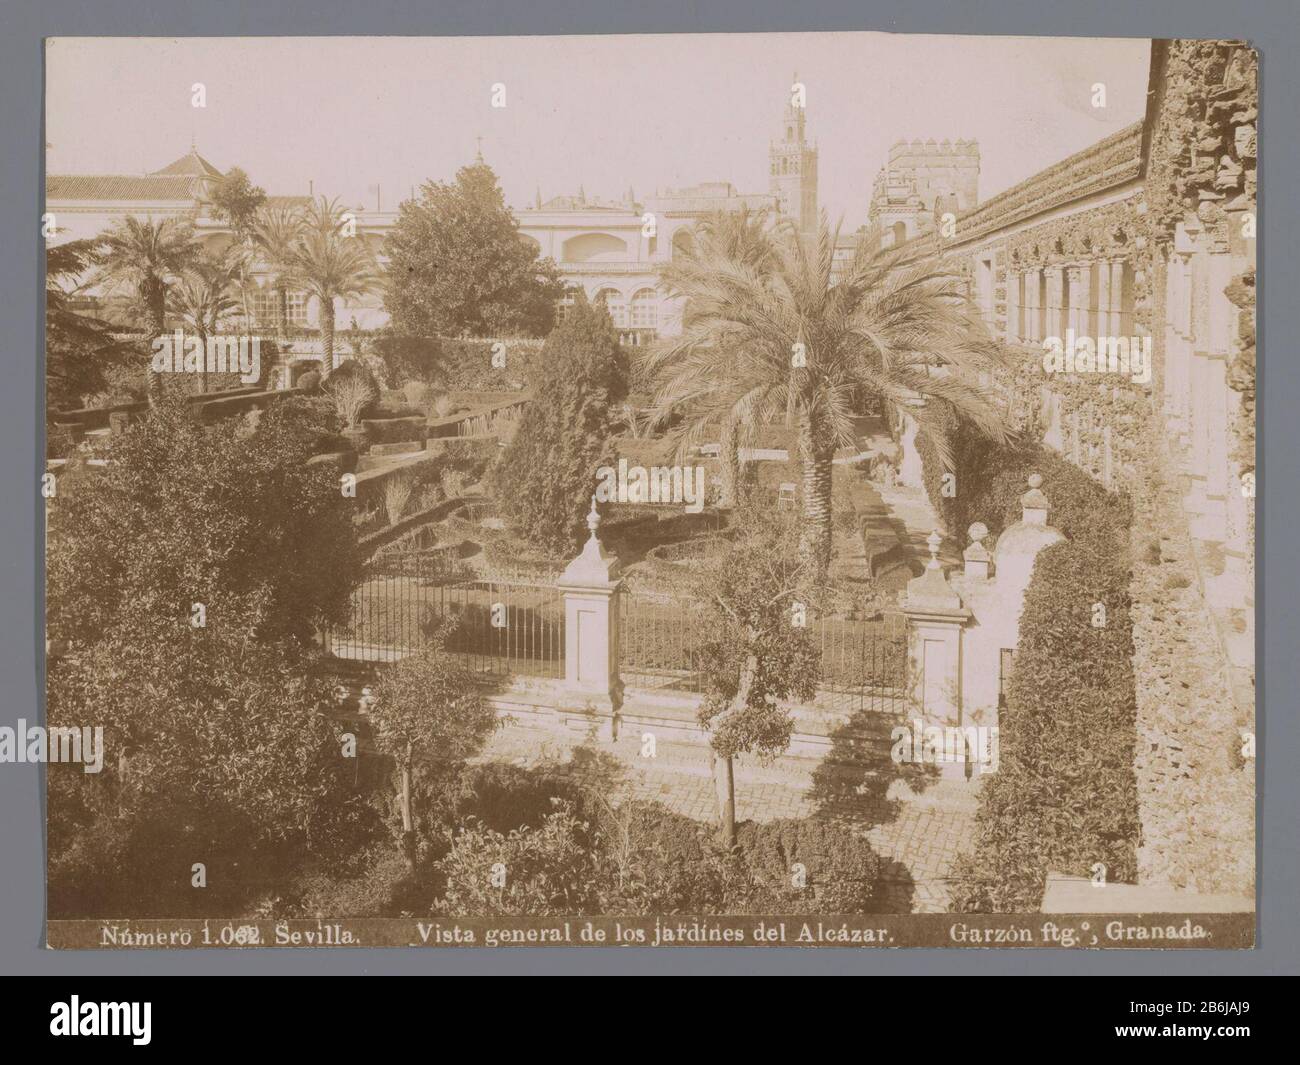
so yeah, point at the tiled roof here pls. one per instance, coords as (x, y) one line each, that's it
(118, 187)
(191, 164)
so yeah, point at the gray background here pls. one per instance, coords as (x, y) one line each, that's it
(1271, 26)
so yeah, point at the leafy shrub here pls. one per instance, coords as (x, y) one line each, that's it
(470, 457)
(397, 493)
(990, 480)
(351, 397)
(387, 887)
(356, 372)
(1065, 795)
(309, 382)
(551, 869)
(543, 482)
(839, 872)
(417, 393)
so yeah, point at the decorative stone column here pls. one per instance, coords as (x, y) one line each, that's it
(591, 586)
(1033, 304)
(1116, 326)
(935, 617)
(1055, 289)
(1105, 328)
(1013, 332)
(1080, 299)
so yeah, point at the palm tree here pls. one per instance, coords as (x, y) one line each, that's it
(767, 327)
(149, 256)
(205, 297)
(740, 237)
(275, 232)
(331, 265)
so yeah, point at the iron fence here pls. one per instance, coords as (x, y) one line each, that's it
(659, 641)
(863, 660)
(500, 627)
(515, 626)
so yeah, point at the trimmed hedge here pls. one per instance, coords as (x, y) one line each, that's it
(990, 480)
(1065, 796)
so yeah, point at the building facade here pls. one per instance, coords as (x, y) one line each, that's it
(920, 183)
(611, 250)
(1145, 243)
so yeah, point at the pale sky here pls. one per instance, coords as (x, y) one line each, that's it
(605, 112)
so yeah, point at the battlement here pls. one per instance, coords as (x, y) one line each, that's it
(902, 148)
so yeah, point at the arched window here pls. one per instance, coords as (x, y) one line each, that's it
(614, 304)
(645, 309)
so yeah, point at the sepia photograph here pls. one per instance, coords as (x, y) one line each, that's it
(749, 489)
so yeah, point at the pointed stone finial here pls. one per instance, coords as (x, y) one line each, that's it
(934, 540)
(931, 591)
(1034, 502)
(594, 567)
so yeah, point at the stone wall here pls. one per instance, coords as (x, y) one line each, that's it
(1150, 233)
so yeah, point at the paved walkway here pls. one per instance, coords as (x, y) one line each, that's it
(918, 827)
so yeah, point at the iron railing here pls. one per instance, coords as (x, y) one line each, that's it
(659, 641)
(498, 628)
(863, 660)
(515, 626)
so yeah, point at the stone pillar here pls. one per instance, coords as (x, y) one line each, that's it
(1040, 295)
(1116, 316)
(1055, 287)
(1198, 440)
(1013, 307)
(935, 617)
(1033, 278)
(1080, 300)
(591, 585)
(1103, 301)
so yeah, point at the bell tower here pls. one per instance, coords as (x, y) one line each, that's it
(793, 164)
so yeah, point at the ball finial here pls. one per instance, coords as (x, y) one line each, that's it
(1035, 480)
